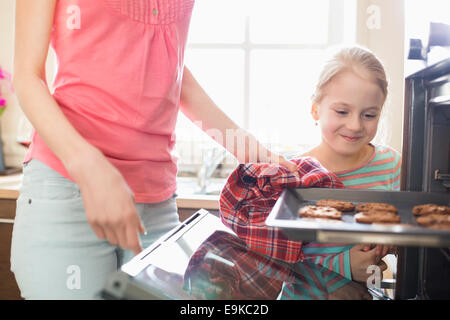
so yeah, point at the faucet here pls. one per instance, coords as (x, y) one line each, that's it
(212, 158)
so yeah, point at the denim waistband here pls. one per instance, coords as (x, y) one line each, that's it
(37, 177)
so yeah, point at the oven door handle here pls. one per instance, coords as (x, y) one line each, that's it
(378, 294)
(440, 101)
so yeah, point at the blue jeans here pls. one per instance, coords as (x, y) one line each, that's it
(55, 253)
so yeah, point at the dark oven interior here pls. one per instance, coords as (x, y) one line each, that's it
(424, 273)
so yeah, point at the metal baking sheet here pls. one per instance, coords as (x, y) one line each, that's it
(284, 215)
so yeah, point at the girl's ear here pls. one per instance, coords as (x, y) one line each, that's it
(315, 112)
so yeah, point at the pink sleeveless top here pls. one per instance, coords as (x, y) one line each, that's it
(120, 66)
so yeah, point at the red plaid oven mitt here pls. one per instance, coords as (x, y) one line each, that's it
(250, 193)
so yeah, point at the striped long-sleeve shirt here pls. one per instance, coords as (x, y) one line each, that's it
(381, 171)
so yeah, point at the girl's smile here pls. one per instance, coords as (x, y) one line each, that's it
(351, 139)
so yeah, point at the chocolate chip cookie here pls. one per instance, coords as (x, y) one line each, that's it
(435, 221)
(337, 204)
(430, 208)
(377, 216)
(320, 212)
(378, 206)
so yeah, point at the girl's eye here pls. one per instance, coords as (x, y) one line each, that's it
(341, 112)
(370, 116)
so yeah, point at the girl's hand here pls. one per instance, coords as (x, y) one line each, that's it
(380, 250)
(360, 260)
(351, 291)
(108, 202)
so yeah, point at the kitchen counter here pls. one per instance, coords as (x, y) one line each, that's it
(9, 189)
(9, 186)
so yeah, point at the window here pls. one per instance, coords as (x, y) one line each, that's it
(258, 60)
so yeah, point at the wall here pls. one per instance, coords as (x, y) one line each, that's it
(10, 117)
(14, 153)
(381, 28)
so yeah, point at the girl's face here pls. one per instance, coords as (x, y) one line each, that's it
(349, 112)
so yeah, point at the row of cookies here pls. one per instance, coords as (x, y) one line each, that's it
(433, 216)
(430, 215)
(373, 212)
(366, 212)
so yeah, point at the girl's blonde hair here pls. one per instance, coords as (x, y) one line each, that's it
(351, 58)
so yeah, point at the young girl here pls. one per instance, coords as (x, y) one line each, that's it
(100, 171)
(347, 103)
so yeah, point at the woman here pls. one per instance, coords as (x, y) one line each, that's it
(99, 171)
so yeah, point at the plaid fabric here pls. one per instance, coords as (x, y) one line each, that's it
(223, 268)
(249, 195)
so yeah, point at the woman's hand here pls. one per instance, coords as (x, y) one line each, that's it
(108, 201)
(256, 152)
(276, 158)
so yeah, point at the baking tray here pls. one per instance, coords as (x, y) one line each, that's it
(284, 215)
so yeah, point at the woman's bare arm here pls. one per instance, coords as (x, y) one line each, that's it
(34, 20)
(198, 106)
(108, 200)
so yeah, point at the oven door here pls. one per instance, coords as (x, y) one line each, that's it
(424, 273)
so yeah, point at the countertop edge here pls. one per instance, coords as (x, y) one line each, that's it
(203, 202)
(9, 194)
(10, 191)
